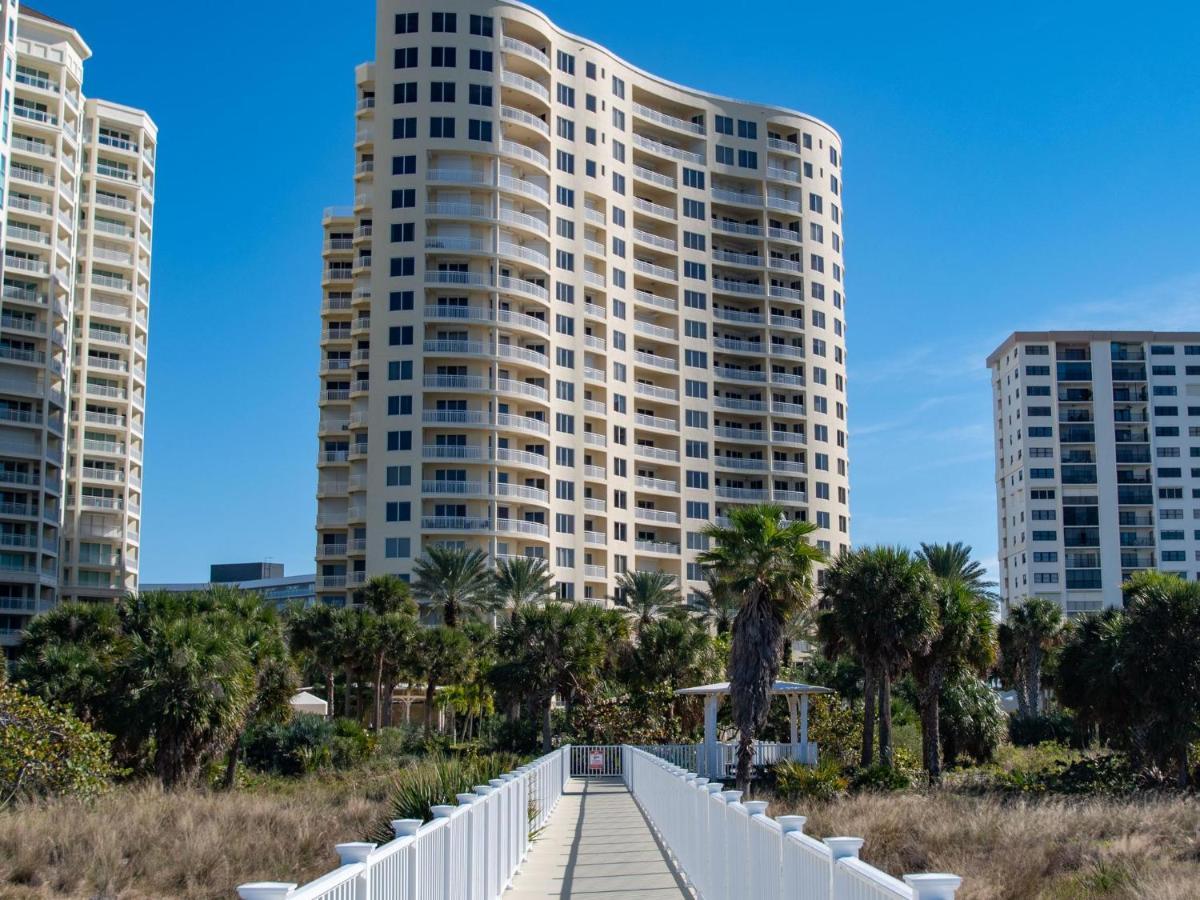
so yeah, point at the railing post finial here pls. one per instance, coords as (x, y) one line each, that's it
(791, 823)
(844, 847)
(933, 886)
(266, 890)
(406, 827)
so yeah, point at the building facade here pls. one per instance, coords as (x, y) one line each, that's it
(78, 213)
(575, 312)
(1097, 462)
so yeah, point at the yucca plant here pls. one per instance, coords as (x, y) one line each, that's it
(437, 780)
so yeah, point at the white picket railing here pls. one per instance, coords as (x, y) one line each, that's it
(726, 849)
(466, 852)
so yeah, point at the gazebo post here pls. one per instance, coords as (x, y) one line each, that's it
(710, 734)
(791, 702)
(804, 725)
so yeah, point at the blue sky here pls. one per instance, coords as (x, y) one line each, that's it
(1007, 166)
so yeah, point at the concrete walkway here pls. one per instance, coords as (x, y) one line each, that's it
(597, 844)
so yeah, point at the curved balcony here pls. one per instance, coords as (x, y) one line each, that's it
(520, 526)
(649, 144)
(514, 185)
(665, 119)
(528, 85)
(524, 119)
(518, 219)
(729, 286)
(513, 45)
(517, 150)
(455, 523)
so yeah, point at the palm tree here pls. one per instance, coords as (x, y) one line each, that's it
(965, 642)
(876, 606)
(258, 626)
(766, 560)
(954, 561)
(1035, 628)
(718, 603)
(551, 649)
(647, 595)
(441, 656)
(393, 618)
(455, 582)
(522, 581)
(312, 634)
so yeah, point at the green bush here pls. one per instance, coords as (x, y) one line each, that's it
(1026, 731)
(1109, 774)
(880, 778)
(970, 721)
(46, 751)
(350, 744)
(796, 781)
(299, 745)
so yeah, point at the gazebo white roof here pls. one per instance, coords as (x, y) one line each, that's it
(779, 687)
(309, 703)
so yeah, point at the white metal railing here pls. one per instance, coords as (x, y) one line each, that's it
(469, 850)
(529, 120)
(512, 79)
(666, 149)
(667, 119)
(532, 52)
(725, 848)
(654, 208)
(513, 148)
(652, 176)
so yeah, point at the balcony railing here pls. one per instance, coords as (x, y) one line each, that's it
(662, 118)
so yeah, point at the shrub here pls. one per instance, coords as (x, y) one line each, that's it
(795, 781)
(299, 745)
(836, 728)
(350, 744)
(1109, 775)
(46, 751)
(971, 720)
(880, 778)
(1025, 731)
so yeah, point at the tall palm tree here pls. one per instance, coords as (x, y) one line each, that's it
(1035, 628)
(647, 595)
(965, 642)
(876, 606)
(954, 561)
(523, 581)
(440, 655)
(392, 620)
(455, 582)
(718, 603)
(312, 634)
(768, 561)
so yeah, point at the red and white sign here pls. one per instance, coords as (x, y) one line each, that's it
(596, 760)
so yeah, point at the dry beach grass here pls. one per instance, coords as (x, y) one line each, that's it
(1051, 848)
(138, 842)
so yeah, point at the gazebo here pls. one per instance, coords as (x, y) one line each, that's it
(714, 757)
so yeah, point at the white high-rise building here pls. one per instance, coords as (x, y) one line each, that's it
(1097, 461)
(576, 311)
(78, 210)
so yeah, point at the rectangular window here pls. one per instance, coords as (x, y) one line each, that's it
(441, 92)
(481, 25)
(480, 60)
(479, 130)
(441, 127)
(404, 92)
(445, 21)
(479, 95)
(406, 23)
(406, 58)
(442, 57)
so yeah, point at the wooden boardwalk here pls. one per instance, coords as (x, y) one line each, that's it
(597, 844)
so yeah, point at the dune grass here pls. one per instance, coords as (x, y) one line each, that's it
(1012, 849)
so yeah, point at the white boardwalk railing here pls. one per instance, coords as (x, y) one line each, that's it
(727, 849)
(466, 852)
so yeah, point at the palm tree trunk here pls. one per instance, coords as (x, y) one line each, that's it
(745, 758)
(930, 738)
(885, 720)
(330, 704)
(546, 726)
(1033, 679)
(450, 615)
(429, 690)
(868, 731)
(231, 761)
(346, 695)
(379, 693)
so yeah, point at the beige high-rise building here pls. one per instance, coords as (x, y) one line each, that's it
(575, 312)
(1097, 462)
(78, 211)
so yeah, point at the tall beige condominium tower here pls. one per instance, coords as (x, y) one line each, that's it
(1097, 462)
(78, 209)
(576, 311)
